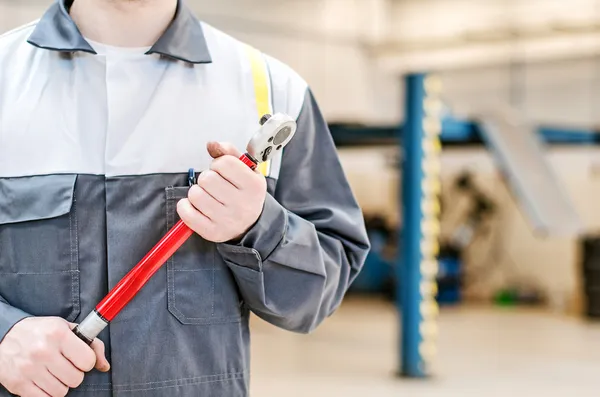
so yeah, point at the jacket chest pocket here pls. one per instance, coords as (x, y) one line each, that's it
(39, 256)
(201, 289)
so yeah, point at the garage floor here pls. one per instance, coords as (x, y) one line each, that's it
(484, 352)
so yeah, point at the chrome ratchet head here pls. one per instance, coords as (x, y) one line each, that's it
(276, 132)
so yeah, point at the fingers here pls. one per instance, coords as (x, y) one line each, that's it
(78, 353)
(233, 170)
(215, 185)
(193, 218)
(102, 363)
(31, 390)
(63, 370)
(219, 149)
(205, 203)
(49, 384)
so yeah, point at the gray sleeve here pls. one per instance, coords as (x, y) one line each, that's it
(295, 265)
(9, 316)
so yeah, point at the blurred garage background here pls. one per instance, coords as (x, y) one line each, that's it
(469, 131)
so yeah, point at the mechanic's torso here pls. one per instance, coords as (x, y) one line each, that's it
(94, 153)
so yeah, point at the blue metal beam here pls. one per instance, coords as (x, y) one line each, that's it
(456, 132)
(408, 296)
(418, 266)
(410, 276)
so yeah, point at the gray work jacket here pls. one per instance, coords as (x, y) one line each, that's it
(94, 153)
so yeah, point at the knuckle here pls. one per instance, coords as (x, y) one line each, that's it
(40, 351)
(24, 368)
(56, 330)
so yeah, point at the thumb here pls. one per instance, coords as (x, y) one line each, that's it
(102, 363)
(218, 149)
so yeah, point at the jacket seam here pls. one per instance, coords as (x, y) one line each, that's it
(165, 384)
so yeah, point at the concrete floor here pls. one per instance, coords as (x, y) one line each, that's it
(484, 352)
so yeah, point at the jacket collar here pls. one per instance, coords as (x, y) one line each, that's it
(183, 40)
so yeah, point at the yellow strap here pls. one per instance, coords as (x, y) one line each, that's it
(260, 76)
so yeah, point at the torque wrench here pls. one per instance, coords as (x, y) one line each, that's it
(275, 132)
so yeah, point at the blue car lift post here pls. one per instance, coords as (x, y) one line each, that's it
(418, 267)
(519, 153)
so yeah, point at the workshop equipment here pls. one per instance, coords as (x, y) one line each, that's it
(591, 276)
(276, 131)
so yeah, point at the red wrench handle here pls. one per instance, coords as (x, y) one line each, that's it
(134, 281)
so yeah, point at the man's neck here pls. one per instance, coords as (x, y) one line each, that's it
(123, 23)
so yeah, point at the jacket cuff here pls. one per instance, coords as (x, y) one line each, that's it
(9, 316)
(261, 240)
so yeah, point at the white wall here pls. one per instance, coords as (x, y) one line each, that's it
(469, 43)
(442, 19)
(565, 93)
(438, 34)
